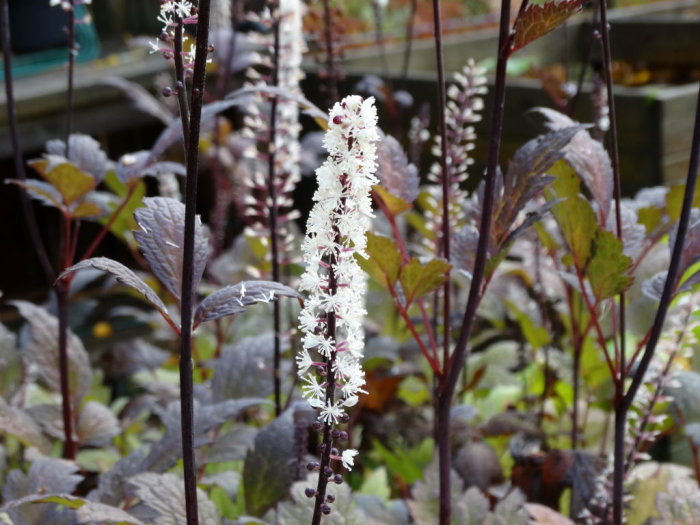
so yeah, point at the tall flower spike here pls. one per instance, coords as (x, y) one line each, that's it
(257, 123)
(463, 109)
(331, 320)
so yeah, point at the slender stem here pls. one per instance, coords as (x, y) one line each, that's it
(669, 286)
(69, 446)
(70, 92)
(65, 258)
(409, 42)
(619, 455)
(181, 85)
(460, 354)
(444, 178)
(188, 284)
(20, 172)
(379, 38)
(614, 162)
(330, 53)
(272, 215)
(454, 367)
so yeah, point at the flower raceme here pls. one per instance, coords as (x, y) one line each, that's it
(173, 13)
(331, 321)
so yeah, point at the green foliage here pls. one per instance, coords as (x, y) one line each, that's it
(384, 260)
(418, 279)
(608, 269)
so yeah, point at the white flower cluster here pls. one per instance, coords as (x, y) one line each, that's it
(336, 232)
(172, 13)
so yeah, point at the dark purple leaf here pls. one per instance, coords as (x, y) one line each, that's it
(244, 368)
(85, 153)
(588, 158)
(164, 494)
(16, 422)
(525, 175)
(164, 453)
(46, 476)
(691, 247)
(125, 276)
(236, 298)
(161, 239)
(463, 250)
(40, 351)
(141, 98)
(654, 286)
(539, 19)
(395, 173)
(96, 425)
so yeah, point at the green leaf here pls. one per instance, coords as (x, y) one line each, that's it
(674, 200)
(609, 266)
(538, 20)
(406, 463)
(384, 260)
(70, 182)
(419, 279)
(85, 210)
(395, 205)
(536, 336)
(574, 214)
(377, 484)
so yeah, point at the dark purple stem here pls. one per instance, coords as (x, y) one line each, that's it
(181, 85)
(409, 42)
(444, 178)
(188, 284)
(69, 446)
(619, 381)
(70, 92)
(666, 296)
(20, 172)
(453, 369)
(273, 212)
(66, 259)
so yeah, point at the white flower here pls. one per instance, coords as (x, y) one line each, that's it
(348, 458)
(335, 232)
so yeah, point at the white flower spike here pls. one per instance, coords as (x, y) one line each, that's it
(331, 320)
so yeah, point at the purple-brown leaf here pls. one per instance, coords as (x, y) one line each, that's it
(538, 20)
(588, 158)
(236, 298)
(160, 238)
(125, 276)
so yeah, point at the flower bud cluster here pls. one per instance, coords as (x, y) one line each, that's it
(464, 104)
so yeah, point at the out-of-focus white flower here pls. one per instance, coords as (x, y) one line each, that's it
(348, 458)
(335, 233)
